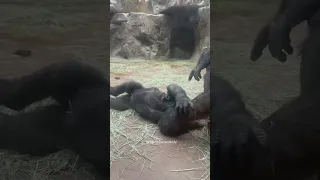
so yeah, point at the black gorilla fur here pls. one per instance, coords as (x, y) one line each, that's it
(170, 111)
(60, 81)
(236, 138)
(89, 133)
(284, 146)
(77, 86)
(293, 133)
(276, 33)
(35, 133)
(182, 20)
(203, 62)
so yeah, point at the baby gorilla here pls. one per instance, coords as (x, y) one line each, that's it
(171, 111)
(35, 133)
(203, 62)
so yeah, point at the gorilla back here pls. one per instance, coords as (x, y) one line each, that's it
(60, 81)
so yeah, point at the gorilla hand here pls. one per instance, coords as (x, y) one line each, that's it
(279, 40)
(196, 74)
(183, 104)
(234, 141)
(276, 39)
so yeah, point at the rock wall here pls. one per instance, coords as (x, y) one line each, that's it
(146, 36)
(139, 35)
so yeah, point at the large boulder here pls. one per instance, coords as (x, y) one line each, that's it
(159, 5)
(139, 35)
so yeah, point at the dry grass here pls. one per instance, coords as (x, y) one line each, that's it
(21, 167)
(128, 132)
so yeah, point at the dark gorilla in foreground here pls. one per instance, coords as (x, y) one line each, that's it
(285, 145)
(236, 138)
(203, 62)
(61, 81)
(275, 34)
(172, 111)
(79, 88)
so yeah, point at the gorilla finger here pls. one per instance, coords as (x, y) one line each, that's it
(282, 57)
(288, 49)
(191, 75)
(255, 55)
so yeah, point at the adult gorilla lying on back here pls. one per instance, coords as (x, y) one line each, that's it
(78, 87)
(171, 111)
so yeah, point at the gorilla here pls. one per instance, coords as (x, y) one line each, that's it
(290, 14)
(285, 145)
(172, 111)
(203, 62)
(275, 34)
(79, 88)
(182, 20)
(60, 81)
(237, 150)
(293, 139)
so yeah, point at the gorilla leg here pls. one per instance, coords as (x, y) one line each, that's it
(121, 103)
(293, 138)
(128, 87)
(36, 133)
(89, 135)
(61, 81)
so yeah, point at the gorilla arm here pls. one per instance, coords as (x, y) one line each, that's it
(203, 62)
(276, 33)
(183, 102)
(147, 113)
(297, 12)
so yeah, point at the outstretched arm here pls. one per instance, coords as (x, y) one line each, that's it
(203, 62)
(276, 34)
(297, 12)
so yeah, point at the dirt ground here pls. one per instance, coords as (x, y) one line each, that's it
(54, 31)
